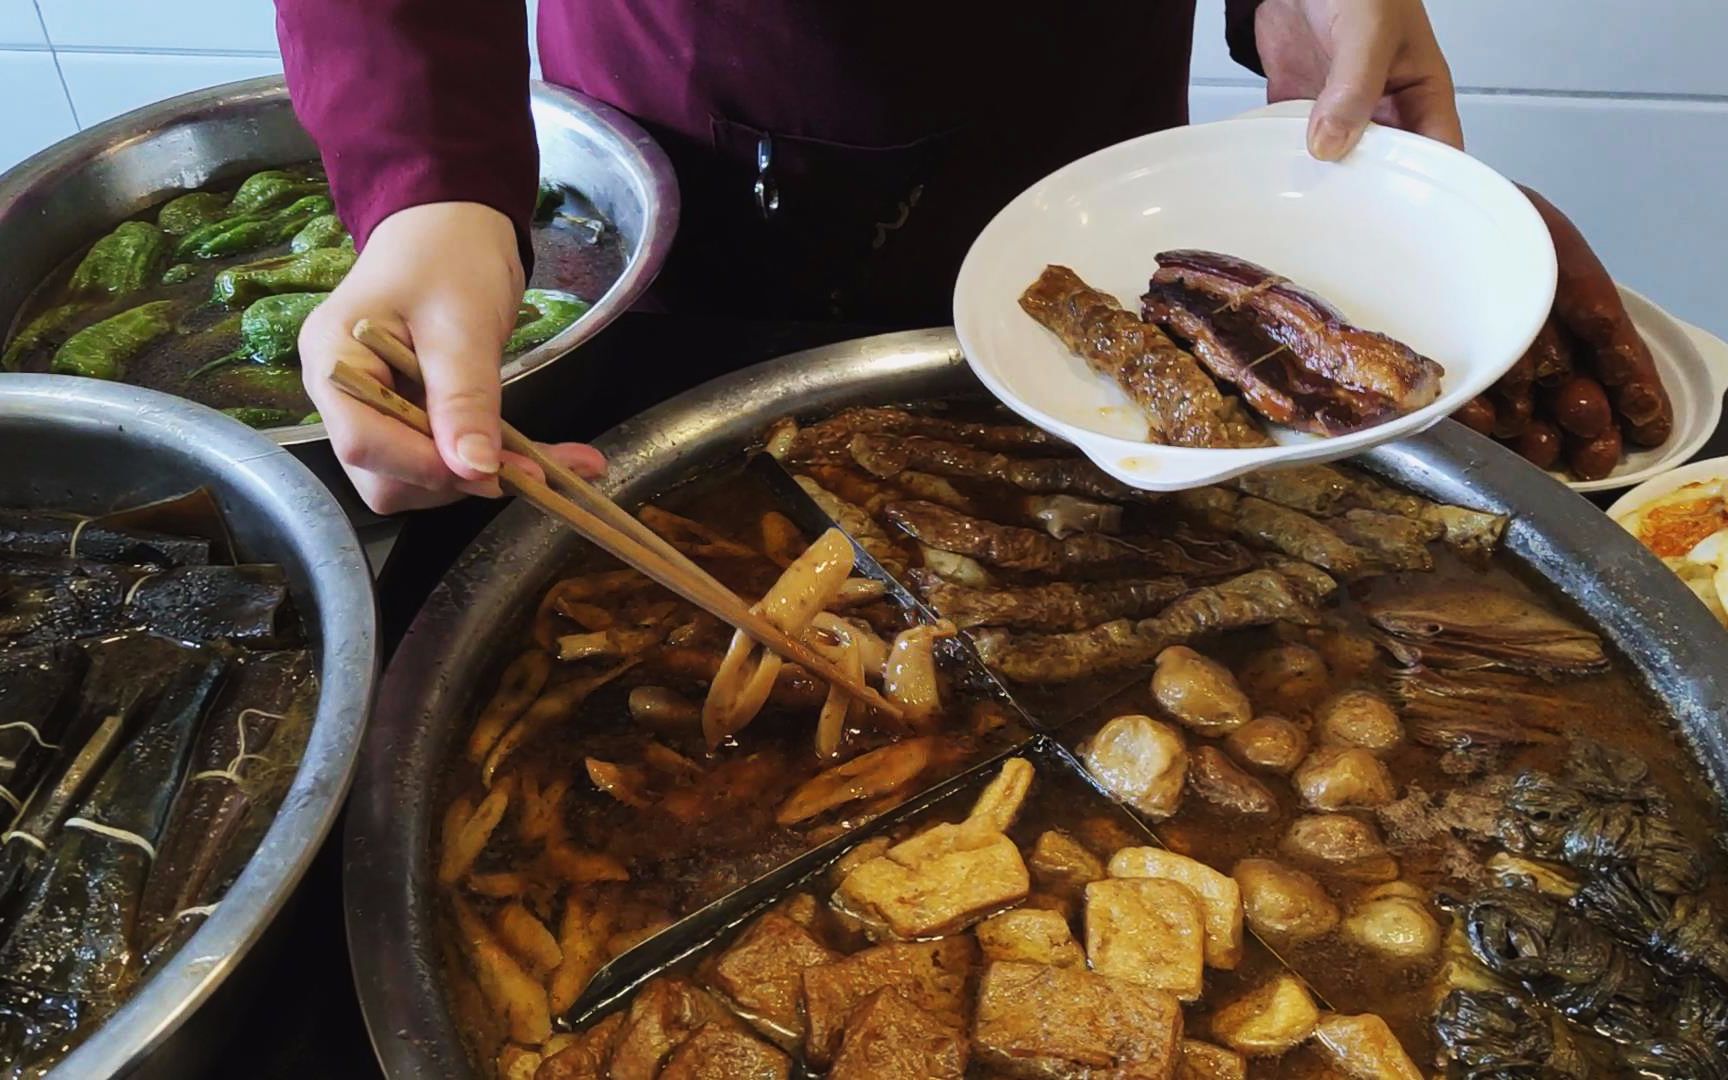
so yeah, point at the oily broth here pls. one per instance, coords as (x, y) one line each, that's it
(681, 866)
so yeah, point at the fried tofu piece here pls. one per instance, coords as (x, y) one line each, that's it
(663, 1015)
(931, 975)
(1220, 897)
(585, 1057)
(1030, 936)
(939, 882)
(1141, 761)
(517, 1063)
(763, 974)
(889, 1038)
(1203, 1061)
(1063, 865)
(722, 1052)
(1283, 904)
(1147, 930)
(1364, 1048)
(1037, 1021)
(1268, 1020)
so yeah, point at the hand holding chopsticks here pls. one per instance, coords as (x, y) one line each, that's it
(594, 516)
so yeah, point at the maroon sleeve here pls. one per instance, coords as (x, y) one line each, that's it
(1239, 33)
(415, 101)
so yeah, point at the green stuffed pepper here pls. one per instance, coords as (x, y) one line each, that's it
(124, 261)
(310, 271)
(102, 350)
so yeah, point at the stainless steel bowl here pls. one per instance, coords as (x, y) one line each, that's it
(1666, 636)
(90, 446)
(79, 188)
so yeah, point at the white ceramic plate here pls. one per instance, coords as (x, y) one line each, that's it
(1406, 236)
(1669, 482)
(1694, 368)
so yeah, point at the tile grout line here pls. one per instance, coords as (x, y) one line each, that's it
(65, 90)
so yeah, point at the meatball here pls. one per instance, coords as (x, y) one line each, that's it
(1393, 920)
(1344, 777)
(1284, 905)
(1360, 718)
(1199, 692)
(1140, 761)
(1269, 742)
(1286, 678)
(1341, 846)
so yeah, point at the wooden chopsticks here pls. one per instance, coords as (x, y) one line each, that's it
(582, 507)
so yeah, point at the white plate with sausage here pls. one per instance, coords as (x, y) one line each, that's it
(1406, 237)
(1693, 364)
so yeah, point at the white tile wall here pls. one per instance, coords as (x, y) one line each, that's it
(1618, 110)
(37, 114)
(106, 84)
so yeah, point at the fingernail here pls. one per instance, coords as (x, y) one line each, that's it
(1328, 139)
(478, 452)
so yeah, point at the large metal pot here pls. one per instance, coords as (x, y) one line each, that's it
(79, 188)
(91, 447)
(1666, 635)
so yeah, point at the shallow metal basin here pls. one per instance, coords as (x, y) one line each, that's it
(445, 663)
(90, 447)
(79, 188)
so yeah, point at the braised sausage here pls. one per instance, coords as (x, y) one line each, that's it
(1588, 305)
(1654, 433)
(1540, 444)
(1477, 414)
(1547, 361)
(1512, 412)
(1580, 406)
(1592, 459)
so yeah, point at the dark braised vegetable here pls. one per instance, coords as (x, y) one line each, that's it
(319, 270)
(191, 211)
(122, 262)
(323, 231)
(544, 316)
(127, 691)
(101, 350)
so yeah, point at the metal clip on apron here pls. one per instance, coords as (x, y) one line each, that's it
(767, 190)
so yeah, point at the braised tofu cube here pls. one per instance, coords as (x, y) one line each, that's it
(1063, 865)
(1364, 1048)
(763, 975)
(1268, 1020)
(1037, 1021)
(1220, 898)
(1140, 761)
(937, 883)
(1030, 936)
(723, 1052)
(1149, 931)
(661, 1017)
(889, 1038)
(931, 975)
(1203, 1061)
(584, 1056)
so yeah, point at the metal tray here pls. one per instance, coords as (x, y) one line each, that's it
(1667, 637)
(79, 188)
(92, 447)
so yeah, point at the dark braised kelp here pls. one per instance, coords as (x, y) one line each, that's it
(148, 731)
(241, 765)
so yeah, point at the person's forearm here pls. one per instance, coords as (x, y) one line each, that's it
(414, 102)
(1239, 33)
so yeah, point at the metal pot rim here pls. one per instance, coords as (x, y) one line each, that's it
(346, 645)
(650, 172)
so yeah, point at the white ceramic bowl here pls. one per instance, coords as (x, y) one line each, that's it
(1694, 367)
(1667, 483)
(1406, 236)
